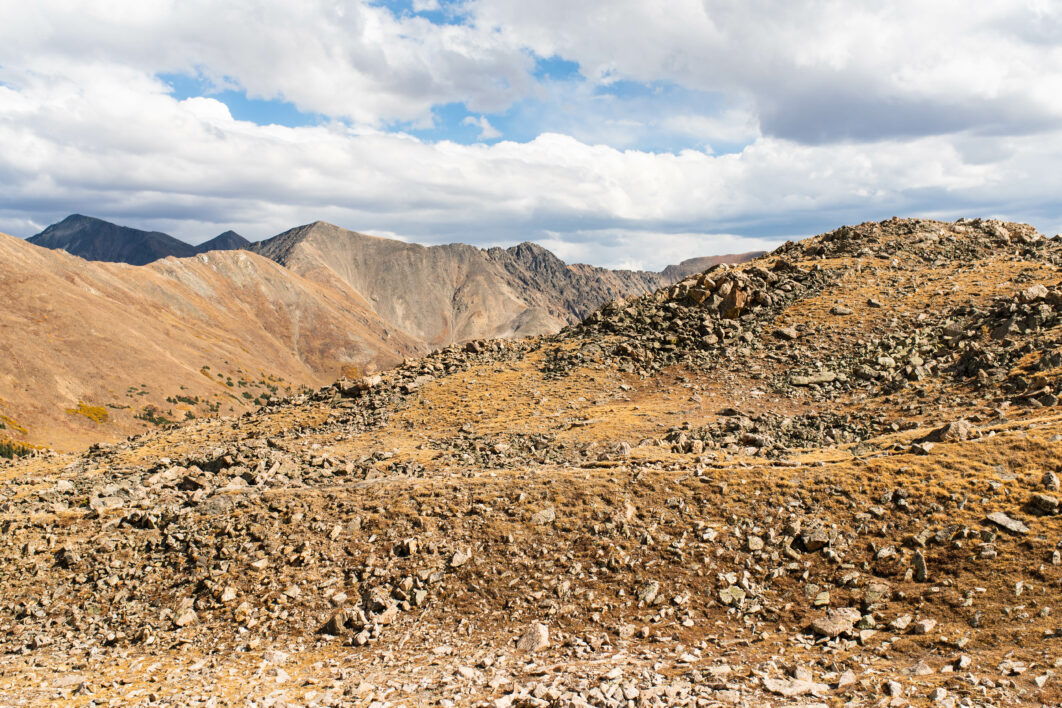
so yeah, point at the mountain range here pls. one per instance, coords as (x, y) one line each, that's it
(105, 349)
(98, 240)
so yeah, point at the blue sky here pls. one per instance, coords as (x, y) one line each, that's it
(615, 132)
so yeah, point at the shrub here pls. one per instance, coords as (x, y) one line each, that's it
(97, 414)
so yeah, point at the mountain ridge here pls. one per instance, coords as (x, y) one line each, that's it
(99, 240)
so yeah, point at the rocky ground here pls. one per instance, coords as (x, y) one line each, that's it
(828, 476)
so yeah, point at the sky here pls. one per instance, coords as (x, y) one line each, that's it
(622, 133)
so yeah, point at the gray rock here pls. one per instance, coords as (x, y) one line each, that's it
(792, 687)
(1005, 522)
(921, 573)
(1044, 504)
(546, 516)
(535, 639)
(838, 621)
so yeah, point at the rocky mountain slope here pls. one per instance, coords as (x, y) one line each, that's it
(98, 240)
(453, 293)
(827, 476)
(95, 351)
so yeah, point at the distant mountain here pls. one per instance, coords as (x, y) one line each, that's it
(98, 240)
(453, 293)
(675, 273)
(228, 241)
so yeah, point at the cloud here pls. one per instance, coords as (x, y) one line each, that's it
(353, 60)
(688, 124)
(486, 130)
(99, 140)
(819, 71)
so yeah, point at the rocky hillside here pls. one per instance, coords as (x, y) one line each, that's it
(829, 476)
(471, 293)
(98, 240)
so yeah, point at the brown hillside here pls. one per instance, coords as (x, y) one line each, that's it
(117, 341)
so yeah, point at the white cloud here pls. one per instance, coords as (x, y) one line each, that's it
(108, 145)
(819, 71)
(846, 111)
(349, 59)
(486, 130)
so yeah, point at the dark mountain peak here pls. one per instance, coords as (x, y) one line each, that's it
(98, 240)
(228, 241)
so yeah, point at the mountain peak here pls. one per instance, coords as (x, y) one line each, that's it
(227, 241)
(98, 240)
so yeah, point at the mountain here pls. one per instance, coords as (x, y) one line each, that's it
(228, 241)
(105, 339)
(97, 240)
(690, 266)
(827, 475)
(216, 332)
(453, 293)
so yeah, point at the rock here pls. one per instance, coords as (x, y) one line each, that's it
(814, 539)
(900, 623)
(186, 618)
(923, 626)
(836, 622)
(938, 694)
(535, 639)
(1044, 504)
(787, 333)
(824, 377)
(1034, 293)
(336, 624)
(754, 543)
(848, 678)
(546, 516)
(793, 687)
(459, 558)
(840, 310)
(921, 573)
(871, 302)
(956, 431)
(921, 448)
(1050, 481)
(648, 592)
(1005, 522)
(731, 595)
